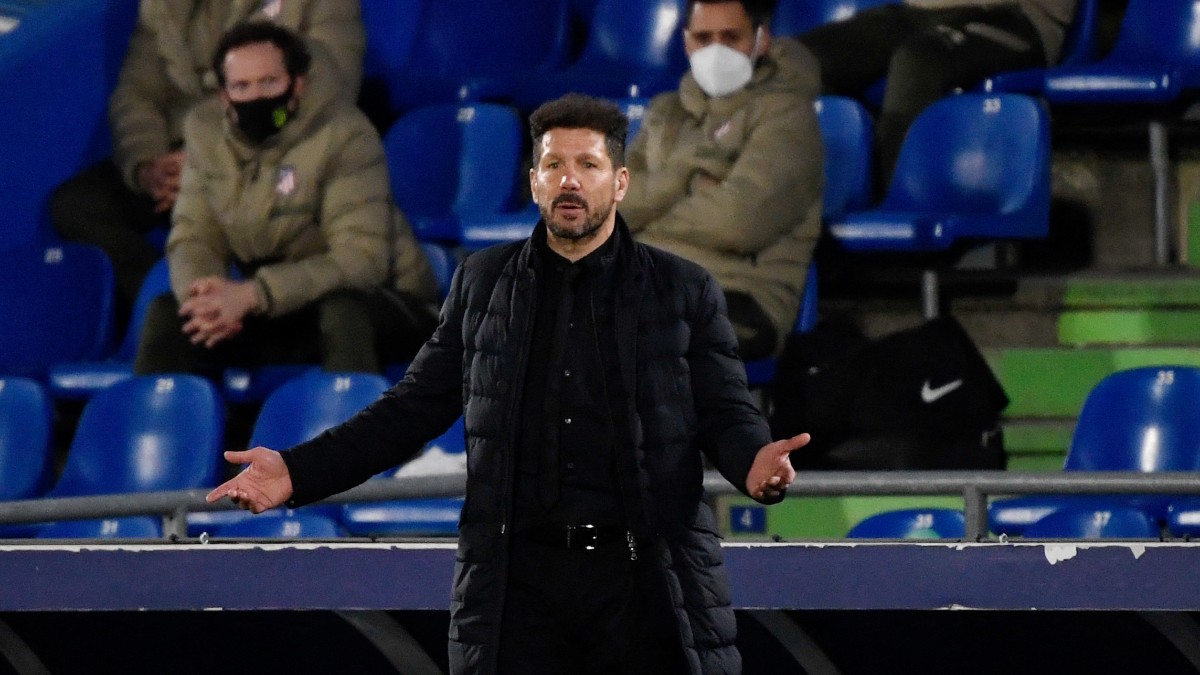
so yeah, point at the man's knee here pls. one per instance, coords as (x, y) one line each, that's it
(924, 61)
(342, 309)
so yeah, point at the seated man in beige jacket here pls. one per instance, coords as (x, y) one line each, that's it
(286, 184)
(728, 170)
(929, 48)
(165, 72)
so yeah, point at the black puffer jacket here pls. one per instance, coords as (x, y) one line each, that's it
(677, 354)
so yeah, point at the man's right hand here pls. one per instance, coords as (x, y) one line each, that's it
(160, 178)
(263, 485)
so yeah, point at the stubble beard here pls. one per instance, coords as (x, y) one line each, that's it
(592, 222)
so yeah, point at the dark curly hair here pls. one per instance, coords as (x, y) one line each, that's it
(760, 11)
(577, 111)
(296, 57)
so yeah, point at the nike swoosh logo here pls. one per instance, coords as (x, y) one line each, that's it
(929, 395)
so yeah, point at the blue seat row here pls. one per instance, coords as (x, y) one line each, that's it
(155, 433)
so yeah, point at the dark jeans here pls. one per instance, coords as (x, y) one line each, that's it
(345, 331)
(925, 54)
(96, 207)
(576, 611)
(756, 334)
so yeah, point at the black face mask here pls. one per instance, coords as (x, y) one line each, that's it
(262, 118)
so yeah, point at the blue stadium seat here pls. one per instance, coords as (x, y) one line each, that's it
(1154, 65)
(305, 406)
(933, 523)
(146, 434)
(1080, 47)
(296, 411)
(1133, 420)
(25, 433)
(1183, 517)
(1125, 522)
(131, 527)
(634, 108)
(273, 525)
(479, 50)
(973, 167)
(57, 306)
(82, 379)
(632, 49)
(391, 28)
(453, 162)
(409, 517)
(84, 43)
(793, 17)
(848, 136)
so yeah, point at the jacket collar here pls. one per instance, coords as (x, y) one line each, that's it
(623, 253)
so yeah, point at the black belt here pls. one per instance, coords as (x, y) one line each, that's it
(579, 537)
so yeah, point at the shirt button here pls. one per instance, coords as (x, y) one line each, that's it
(566, 373)
(570, 465)
(567, 420)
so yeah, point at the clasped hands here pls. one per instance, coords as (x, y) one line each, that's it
(215, 309)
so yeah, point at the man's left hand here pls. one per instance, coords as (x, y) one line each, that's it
(772, 470)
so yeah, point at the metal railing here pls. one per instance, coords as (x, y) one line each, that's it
(975, 487)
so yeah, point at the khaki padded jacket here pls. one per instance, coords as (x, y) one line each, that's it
(166, 71)
(307, 212)
(755, 230)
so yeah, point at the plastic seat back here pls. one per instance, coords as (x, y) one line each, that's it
(271, 525)
(305, 406)
(489, 37)
(645, 34)
(448, 160)
(634, 108)
(1143, 419)
(846, 132)
(145, 434)
(132, 527)
(1155, 32)
(57, 306)
(974, 153)
(798, 16)
(25, 433)
(1084, 523)
(391, 28)
(911, 524)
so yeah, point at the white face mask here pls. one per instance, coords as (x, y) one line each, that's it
(722, 70)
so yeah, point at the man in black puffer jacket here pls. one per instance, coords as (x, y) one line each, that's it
(592, 372)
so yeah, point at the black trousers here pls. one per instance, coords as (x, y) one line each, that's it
(345, 331)
(96, 207)
(925, 54)
(577, 611)
(756, 334)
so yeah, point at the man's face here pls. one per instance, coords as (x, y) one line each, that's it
(255, 71)
(574, 184)
(721, 23)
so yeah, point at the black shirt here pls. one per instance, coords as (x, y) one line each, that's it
(565, 462)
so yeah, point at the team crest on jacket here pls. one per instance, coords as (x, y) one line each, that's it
(722, 130)
(285, 182)
(272, 8)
